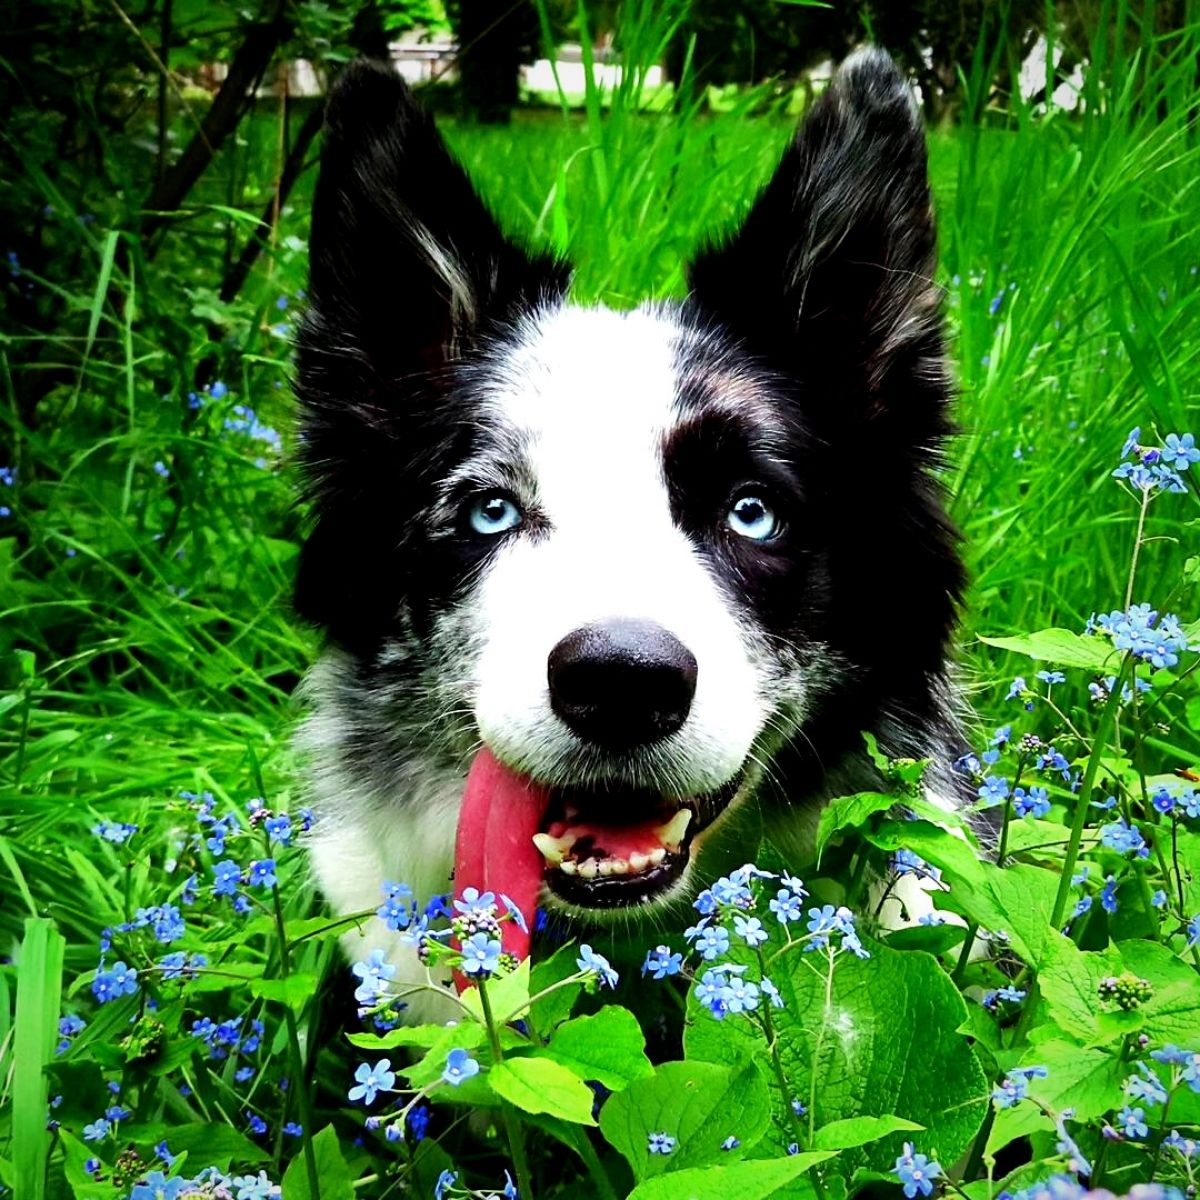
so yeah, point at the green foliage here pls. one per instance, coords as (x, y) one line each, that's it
(147, 650)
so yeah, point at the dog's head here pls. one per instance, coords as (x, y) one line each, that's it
(635, 555)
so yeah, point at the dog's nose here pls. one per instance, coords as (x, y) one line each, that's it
(621, 684)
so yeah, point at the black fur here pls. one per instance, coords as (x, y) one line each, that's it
(376, 351)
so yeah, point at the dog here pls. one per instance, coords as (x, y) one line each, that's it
(593, 581)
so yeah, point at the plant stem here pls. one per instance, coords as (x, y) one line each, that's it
(512, 1129)
(1137, 546)
(964, 958)
(297, 1057)
(1107, 717)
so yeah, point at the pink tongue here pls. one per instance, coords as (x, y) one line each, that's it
(494, 850)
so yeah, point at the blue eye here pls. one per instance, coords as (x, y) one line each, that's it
(493, 514)
(751, 517)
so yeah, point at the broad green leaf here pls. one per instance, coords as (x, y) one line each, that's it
(551, 1010)
(698, 1103)
(83, 1184)
(884, 1043)
(295, 990)
(507, 994)
(933, 939)
(850, 812)
(761, 1179)
(1069, 982)
(333, 1175)
(218, 1144)
(468, 1035)
(1086, 1080)
(859, 1131)
(1172, 1014)
(538, 1085)
(608, 1047)
(1060, 648)
(1016, 900)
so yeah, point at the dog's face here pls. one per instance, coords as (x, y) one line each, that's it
(635, 555)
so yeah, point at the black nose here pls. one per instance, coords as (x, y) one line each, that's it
(621, 684)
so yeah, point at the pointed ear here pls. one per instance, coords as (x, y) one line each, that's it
(406, 263)
(406, 269)
(830, 276)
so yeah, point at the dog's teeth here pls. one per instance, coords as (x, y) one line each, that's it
(606, 866)
(619, 866)
(657, 855)
(552, 849)
(570, 812)
(639, 862)
(672, 833)
(589, 869)
(568, 866)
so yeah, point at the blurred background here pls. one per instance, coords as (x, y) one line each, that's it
(156, 168)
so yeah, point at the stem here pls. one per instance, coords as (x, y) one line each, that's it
(1108, 716)
(1137, 546)
(1002, 850)
(979, 1144)
(964, 958)
(512, 1130)
(297, 1057)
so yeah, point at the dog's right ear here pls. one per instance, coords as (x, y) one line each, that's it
(406, 269)
(406, 263)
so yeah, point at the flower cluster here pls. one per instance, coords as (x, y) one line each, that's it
(737, 900)
(1140, 630)
(1150, 469)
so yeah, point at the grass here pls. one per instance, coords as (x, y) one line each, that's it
(146, 640)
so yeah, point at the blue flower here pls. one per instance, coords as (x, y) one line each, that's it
(1159, 899)
(226, 877)
(445, 1181)
(513, 911)
(771, 992)
(732, 890)
(417, 1120)
(661, 962)
(292, 1129)
(993, 789)
(731, 1143)
(916, 1172)
(1180, 451)
(473, 901)
(119, 980)
(279, 829)
(786, 905)
(1034, 803)
(710, 992)
(1133, 1122)
(374, 974)
(97, 1131)
(713, 942)
(750, 930)
(1193, 931)
(459, 1066)
(1146, 1087)
(1131, 442)
(741, 995)
(262, 873)
(372, 1080)
(907, 862)
(480, 955)
(1012, 994)
(588, 960)
(1108, 895)
(1017, 689)
(116, 1113)
(661, 1143)
(1124, 838)
(1052, 677)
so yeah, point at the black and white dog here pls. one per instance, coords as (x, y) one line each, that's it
(639, 568)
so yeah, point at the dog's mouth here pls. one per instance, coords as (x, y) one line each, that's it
(591, 847)
(611, 846)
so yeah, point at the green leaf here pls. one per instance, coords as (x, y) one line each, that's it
(608, 1047)
(419, 1035)
(538, 1085)
(84, 1185)
(758, 1180)
(1085, 1080)
(218, 1144)
(1016, 900)
(1171, 1014)
(39, 987)
(333, 1175)
(1069, 980)
(850, 812)
(295, 990)
(555, 1008)
(467, 1036)
(698, 1103)
(858, 1131)
(508, 995)
(1060, 648)
(882, 1042)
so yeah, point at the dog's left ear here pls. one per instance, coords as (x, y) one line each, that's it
(830, 276)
